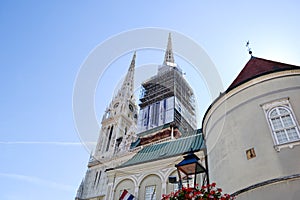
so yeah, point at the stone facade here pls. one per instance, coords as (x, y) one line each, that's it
(137, 178)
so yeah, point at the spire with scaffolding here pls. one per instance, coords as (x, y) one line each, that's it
(169, 56)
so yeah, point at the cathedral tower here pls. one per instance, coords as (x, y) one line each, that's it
(118, 128)
(166, 131)
(141, 160)
(119, 120)
(167, 101)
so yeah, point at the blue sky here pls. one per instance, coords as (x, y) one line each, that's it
(43, 45)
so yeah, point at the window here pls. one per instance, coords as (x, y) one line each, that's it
(118, 142)
(175, 187)
(109, 138)
(283, 125)
(99, 178)
(122, 190)
(282, 122)
(96, 178)
(150, 192)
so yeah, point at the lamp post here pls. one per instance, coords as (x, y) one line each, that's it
(190, 166)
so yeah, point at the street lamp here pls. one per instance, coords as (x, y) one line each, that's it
(190, 166)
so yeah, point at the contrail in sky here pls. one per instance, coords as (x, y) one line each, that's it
(38, 181)
(44, 143)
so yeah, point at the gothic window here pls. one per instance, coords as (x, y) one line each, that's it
(99, 176)
(105, 138)
(96, 178)
(118, 142)
(282, 122)
(109, 137)
(150, 192)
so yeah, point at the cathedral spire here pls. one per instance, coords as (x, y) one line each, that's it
(169, 57)
(119, 119)
(127, 88)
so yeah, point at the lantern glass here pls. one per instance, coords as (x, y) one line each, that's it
(190, 166)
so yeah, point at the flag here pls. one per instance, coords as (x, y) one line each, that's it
(126, 196)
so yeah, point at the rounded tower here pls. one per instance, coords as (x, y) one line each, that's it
(252, 133)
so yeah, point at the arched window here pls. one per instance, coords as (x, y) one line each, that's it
(99, 177)
(150, 192)
(283, 124)
(109, 138)
(96, 178)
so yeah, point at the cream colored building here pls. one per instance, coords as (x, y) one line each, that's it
(252, 133)
(146, 174)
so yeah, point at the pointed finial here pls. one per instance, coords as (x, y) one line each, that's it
(169, 57)
(133, 60)
(127, 88)
(249, 49)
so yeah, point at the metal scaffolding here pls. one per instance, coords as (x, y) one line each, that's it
(170, 82)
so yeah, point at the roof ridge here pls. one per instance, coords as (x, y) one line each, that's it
(178, 139)
(279, 62)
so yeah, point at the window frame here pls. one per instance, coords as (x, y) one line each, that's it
(284, 104)
(154, 193)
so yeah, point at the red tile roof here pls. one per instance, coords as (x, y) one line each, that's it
(257, 67)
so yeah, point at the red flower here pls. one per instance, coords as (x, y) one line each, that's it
(208, 192)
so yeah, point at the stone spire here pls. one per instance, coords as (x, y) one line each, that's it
(118, 118)
(169, 57)
(127, 89)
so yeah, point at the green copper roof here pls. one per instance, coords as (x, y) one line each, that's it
(167, 149)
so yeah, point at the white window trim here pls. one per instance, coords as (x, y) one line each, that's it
(284, 102)
(154, 191)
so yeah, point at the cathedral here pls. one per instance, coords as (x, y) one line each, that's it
(248, 144)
